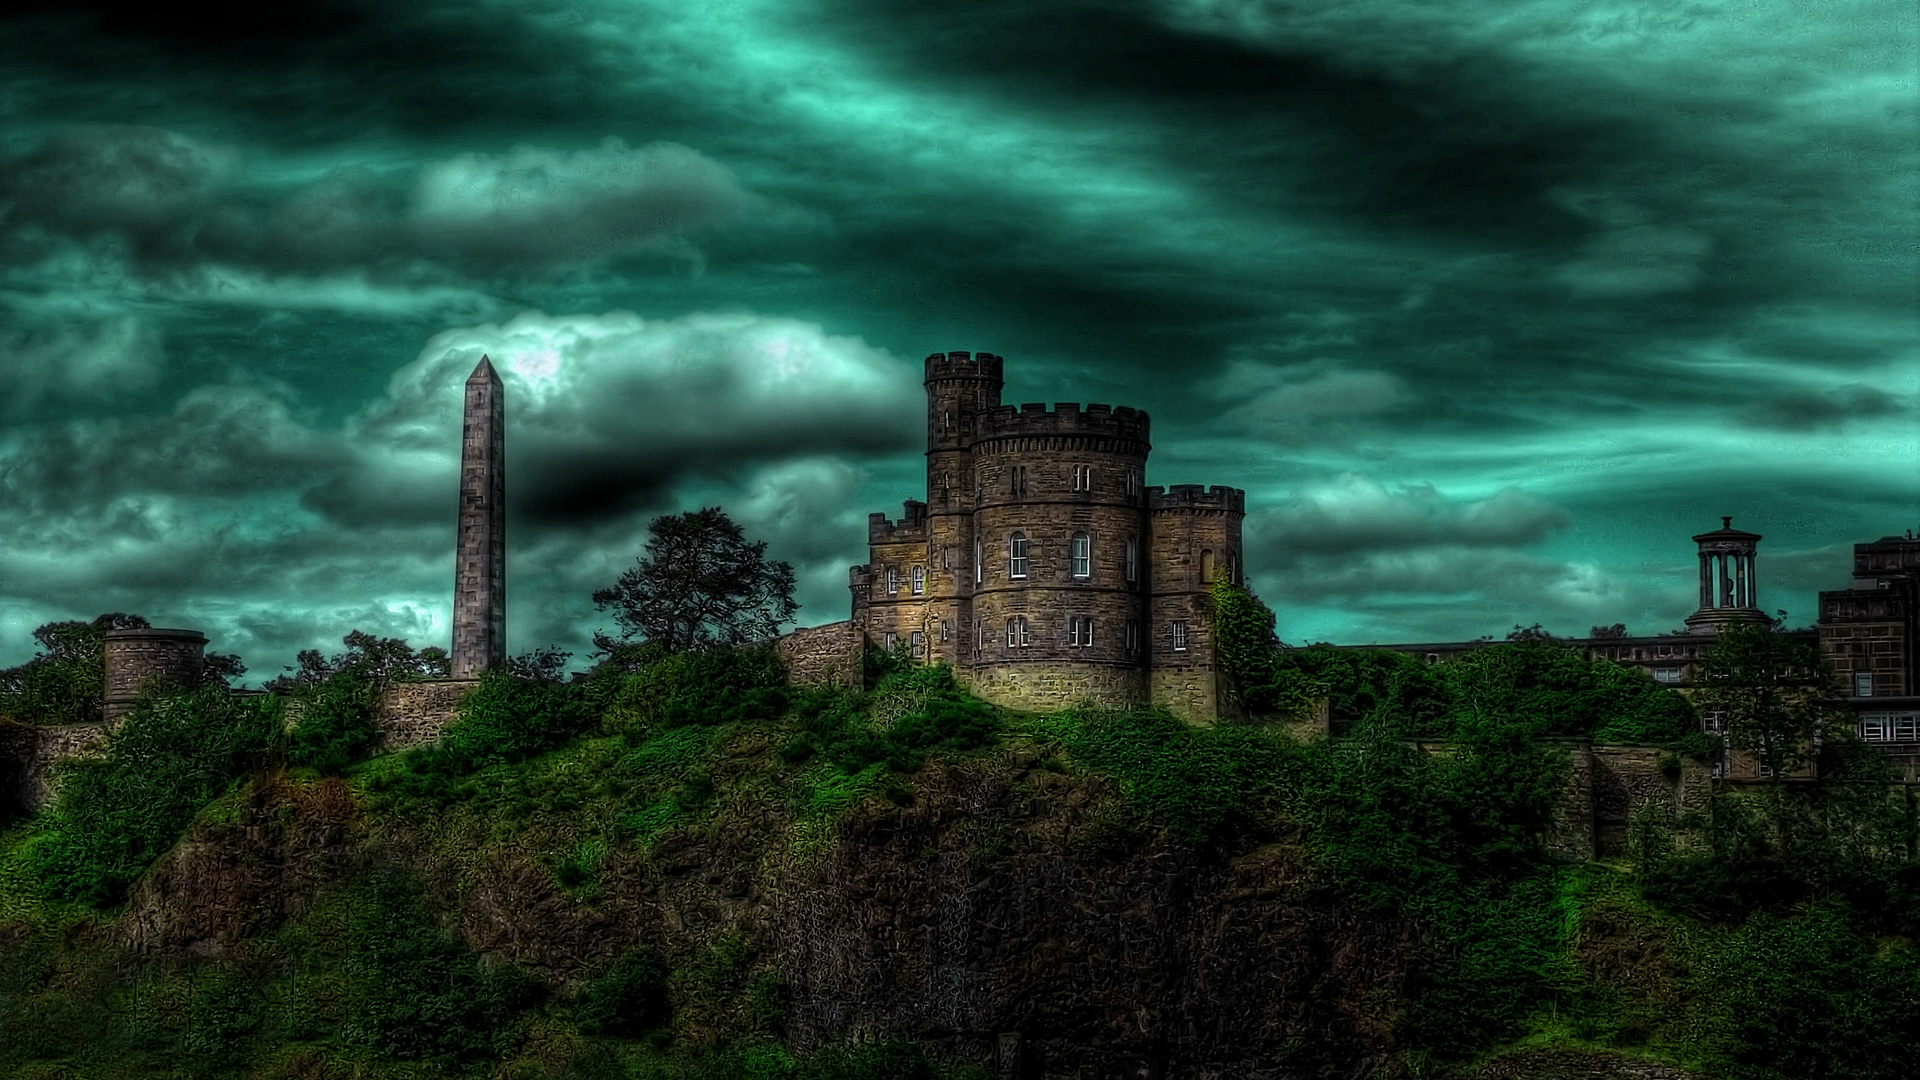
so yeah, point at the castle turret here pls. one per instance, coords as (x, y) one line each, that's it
(138, 656)
(1196, 534)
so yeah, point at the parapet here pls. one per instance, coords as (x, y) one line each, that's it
(912, 527)
(1179, 498)
(1065, 418)
(962, 365)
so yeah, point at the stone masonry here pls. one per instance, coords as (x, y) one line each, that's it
(480, 563)
(827, 655)
(1041, 566)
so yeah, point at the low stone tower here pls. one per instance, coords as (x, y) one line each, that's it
(133, 657)
(1729, 588)
(480, 564)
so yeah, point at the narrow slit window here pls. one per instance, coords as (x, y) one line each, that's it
(1133, 636)
(979, 569)
(1131, 564)
(1083, 478)
(1178, 633)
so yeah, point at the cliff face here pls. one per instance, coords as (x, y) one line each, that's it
(986, 906)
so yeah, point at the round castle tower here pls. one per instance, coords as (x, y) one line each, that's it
(1041, 566)
(149, 652)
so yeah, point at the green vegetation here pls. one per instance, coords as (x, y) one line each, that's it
(170, 756)
(1766, 935)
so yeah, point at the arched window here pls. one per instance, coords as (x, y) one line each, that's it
(1206, 566)
(1017, 633)
(1017, 555)
(919, 580)
(1083, 478)
(1080, 631)
(893, 580)
(1131, 565)
(1082, 555)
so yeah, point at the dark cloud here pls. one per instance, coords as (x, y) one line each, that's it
(1829, 410)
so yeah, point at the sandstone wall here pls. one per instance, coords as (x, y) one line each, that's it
(823, 655)
(38, 780)
(415, 713)
(1042, 685)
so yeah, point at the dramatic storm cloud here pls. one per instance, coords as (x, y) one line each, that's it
(1489, 306)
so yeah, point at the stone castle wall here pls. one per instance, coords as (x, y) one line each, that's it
(135, 656)
(415, 713)
(1044, 685)
(827, 655)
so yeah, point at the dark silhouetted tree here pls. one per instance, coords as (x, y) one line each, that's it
(64, 683)
(373, 659)
(699, 585)
(1773, 692)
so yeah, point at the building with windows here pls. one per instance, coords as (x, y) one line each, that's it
(1041, 566)
(1868, 633)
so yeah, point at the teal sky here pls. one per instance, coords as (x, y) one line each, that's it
(1489, 306)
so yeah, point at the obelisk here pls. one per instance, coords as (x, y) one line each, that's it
(480, 564)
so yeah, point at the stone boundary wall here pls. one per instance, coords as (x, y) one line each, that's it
(415, 713)
(827, 655)
(1052, 684)
(53, 746)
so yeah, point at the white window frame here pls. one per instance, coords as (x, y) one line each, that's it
(1863, 684)
(1177, 633)
(893, 581)
(1082, 549)
(917, 643)
(1018, 634)
(979, 567)
(919, 581)
(1017, 555)
(1083, 478)
(888, 640)
(946, 630)
(1080, 631)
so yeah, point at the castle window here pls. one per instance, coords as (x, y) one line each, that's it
(1178, 632)
(919, 642)
(919, 580)
(1132, 561)
(946, 558)
(1666, 674)
(1133, 636)
(946, 630)
(1083, 478)
(979, 568)
(1863, 684)
(1017, 633)
(889, 640)
(1017, 480)
(1206, 566)
(1080, 631)
(1133, 486)
(1017, 556)
(1082, 555)
(893, 580)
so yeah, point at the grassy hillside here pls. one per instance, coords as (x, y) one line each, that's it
(693, 870)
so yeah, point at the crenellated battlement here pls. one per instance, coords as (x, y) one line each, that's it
(964, 365)
(1179, 498)
(882, 530)
(1065, 418)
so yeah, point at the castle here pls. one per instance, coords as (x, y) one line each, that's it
(1041, 566)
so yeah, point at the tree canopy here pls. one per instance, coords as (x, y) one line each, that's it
(1774, 694)
(699, 585)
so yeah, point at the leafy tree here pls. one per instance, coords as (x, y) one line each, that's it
(1773, 692)
(700, 584)
(369, 658)
(63, 684)
(1602, 633)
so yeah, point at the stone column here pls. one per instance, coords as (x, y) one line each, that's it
(1706, 580)
(480, 563)
(1753, 584)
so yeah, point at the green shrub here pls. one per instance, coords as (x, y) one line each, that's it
(628, 1000)
(718, 686)
(337, 725)
(1198, 782)
(416, 992)
(170, 756)
(939, 717)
